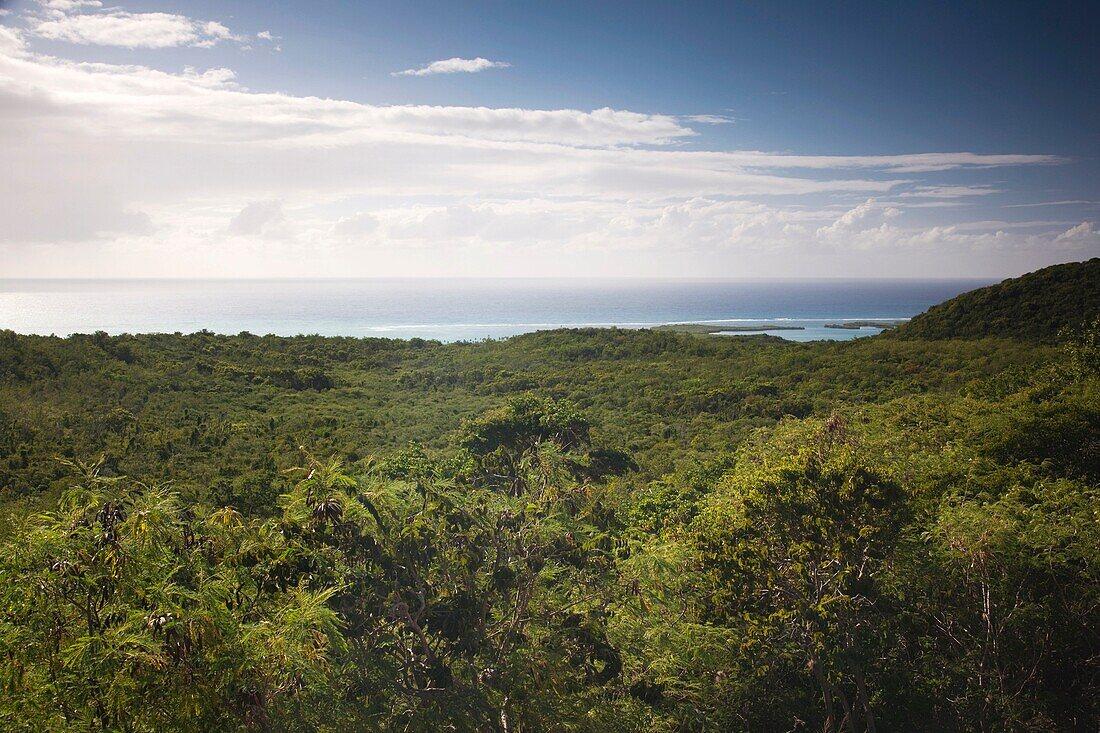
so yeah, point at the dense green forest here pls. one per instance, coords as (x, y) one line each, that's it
(576, 530)
(1034, 307)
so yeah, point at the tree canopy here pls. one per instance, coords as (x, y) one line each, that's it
(582, 530)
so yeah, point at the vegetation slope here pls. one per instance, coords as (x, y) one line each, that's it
(1036, 306)
(565, 531)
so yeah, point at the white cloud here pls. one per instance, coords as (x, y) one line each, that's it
(86, 22)
(863, 219)
(454, 66)
(358, 226)
(1083, 232)
(1069, 202)
(256, 217)
(995, 224)
(66, 6)
(909, 163)
(948, 192)
(144, 30)
(710, 119)
(135, 102)
(234, 181)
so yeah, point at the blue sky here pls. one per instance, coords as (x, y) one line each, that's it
(681, 139)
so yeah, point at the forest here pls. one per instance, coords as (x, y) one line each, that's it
(571, 530)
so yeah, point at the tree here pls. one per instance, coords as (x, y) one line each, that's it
(1013, 604)
(794, 553)
(124, 610)
(502, 441)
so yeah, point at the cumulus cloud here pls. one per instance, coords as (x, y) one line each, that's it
(66, 6)
(357, 226)
(87, 22)
(255, 217)
(862, 218)
(1081, 233)
(142, 30)
(734, 237)
(454, 66)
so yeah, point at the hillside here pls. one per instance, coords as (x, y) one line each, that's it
(205, 409)
(592, 530)
(1035, 306)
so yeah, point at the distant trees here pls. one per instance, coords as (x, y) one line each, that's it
(1036, 306)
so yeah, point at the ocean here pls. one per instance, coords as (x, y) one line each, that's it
(459, 309)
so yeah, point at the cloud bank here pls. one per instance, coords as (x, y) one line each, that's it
(118, 170)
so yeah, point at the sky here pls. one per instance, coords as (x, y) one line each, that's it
(262, 138)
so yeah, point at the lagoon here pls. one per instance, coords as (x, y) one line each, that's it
(459, 309)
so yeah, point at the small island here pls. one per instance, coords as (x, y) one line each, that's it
(856, 325)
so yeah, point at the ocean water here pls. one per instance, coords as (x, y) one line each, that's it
(458, 309)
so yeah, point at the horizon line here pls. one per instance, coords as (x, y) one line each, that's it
(623, 278)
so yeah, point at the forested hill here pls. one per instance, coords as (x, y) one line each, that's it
(1035, 306)
(574, 531)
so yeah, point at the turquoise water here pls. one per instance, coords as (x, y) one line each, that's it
(814, 330)
(458, 309)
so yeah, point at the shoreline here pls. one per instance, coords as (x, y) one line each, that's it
(789, 329)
